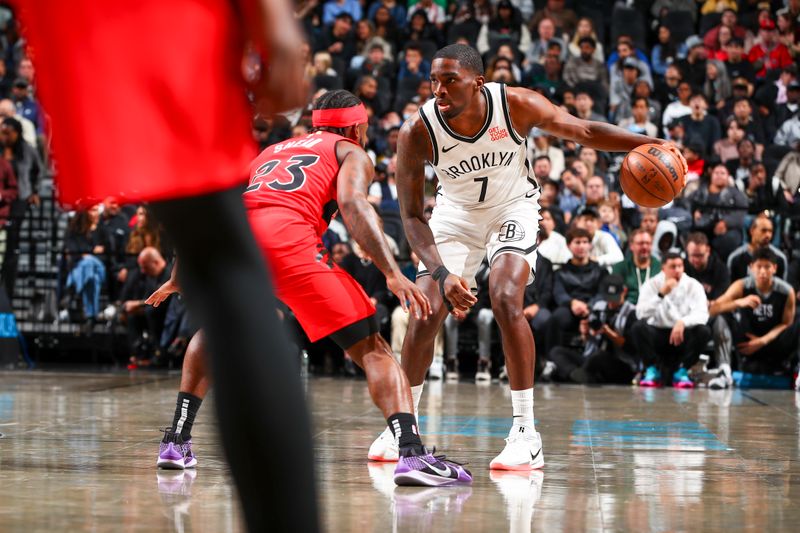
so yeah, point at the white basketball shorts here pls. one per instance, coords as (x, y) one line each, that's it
(465, 237)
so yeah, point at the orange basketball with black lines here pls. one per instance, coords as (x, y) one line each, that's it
(651, 175)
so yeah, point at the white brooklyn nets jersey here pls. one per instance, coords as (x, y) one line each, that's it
(488, 170)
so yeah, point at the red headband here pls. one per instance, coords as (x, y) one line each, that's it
(339, 118)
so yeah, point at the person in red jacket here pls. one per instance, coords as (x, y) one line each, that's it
(768, 53)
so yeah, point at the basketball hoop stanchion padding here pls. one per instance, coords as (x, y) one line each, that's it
(10, 350)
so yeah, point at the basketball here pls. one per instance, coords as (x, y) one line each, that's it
(651, 175)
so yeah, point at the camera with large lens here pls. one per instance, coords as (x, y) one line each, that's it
(596, 320)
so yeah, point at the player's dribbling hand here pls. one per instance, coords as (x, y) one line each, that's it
(412, 299)
(161, 293)
(673, 148)
(456, 290)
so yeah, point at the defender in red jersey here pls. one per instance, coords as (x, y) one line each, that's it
(290, 199)
(291, 185)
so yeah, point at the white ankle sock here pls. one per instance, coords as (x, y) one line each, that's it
(522, 404)
(416, 395)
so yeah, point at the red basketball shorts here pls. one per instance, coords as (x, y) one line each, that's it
(325, 299)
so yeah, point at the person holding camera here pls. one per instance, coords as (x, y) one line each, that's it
(607, 356)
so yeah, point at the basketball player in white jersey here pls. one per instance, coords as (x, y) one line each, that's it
(474, 134)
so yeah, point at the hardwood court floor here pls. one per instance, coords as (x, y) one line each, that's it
(79, 450)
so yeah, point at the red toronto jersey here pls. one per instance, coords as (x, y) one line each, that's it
(299, 175)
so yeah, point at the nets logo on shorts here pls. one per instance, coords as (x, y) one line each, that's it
(511, 231)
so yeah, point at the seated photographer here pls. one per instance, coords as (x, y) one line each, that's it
(672, 331)
(763, 329)
(606, 356)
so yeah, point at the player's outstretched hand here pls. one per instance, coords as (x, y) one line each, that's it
(412, 299)
(162, 293)
(456, 290)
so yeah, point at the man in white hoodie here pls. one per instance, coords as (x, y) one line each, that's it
(672, 331)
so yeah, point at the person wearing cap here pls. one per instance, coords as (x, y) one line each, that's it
(27, 106)
(604, 251)
(768, 53)
(693, 65)
(786, 110)
(606, 355)
(671, 331)
(626, 49)
(622, 86)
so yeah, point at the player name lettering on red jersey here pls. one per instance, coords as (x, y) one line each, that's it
(304, 143)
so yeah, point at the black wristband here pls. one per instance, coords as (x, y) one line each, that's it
(439, 275)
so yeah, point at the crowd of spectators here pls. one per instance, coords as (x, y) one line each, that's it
(620, 291)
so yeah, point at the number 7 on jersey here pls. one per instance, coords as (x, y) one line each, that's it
(484, 182)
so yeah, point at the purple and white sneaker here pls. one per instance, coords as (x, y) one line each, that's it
(170, 456)
(172, 452)
(189, 458)
(430, 471)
